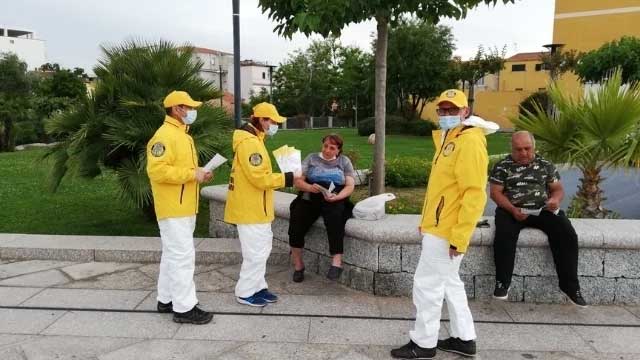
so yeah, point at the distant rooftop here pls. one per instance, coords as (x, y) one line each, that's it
(528, 56)
(16, 33)
(202, 50)
(254, 63)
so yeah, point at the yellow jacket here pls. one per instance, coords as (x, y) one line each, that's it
(251, 182)
(171, 164)
(456, 193)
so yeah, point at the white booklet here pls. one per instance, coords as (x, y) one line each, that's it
(215, 162)
(326, 191)
(535, 212)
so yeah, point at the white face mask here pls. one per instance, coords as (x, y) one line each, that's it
(449, 121)
(272, 130)
(191, 116)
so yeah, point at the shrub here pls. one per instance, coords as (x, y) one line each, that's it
(407, 172)
(396, 125)
(539, 97)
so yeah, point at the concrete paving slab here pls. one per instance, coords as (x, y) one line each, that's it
(289, 351)
(16, 321)
(152, 270)
(91, 269)
(126, 280)
(108, 324)
(617, 340)
(249, 328)
(483, 311)
(324, 305)
(71, 348)
(359, 331)
(31, 266)
(171, 349)
(226, 302)
(529, 338)
(635, 310)
(10, 339)
(213, 281)
(397, 307)
(556, 313)
(88, 299)
(551, 355)
(233, 271)
(12, 296)
(313, 284)
(11, 353)
(39, 279)
(53, 241)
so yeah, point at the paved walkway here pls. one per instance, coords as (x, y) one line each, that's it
(73, 310)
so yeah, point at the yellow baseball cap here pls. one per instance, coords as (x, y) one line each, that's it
(266, 110)
(180, 98)
(456, 97)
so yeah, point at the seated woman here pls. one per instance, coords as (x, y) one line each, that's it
(319, 170)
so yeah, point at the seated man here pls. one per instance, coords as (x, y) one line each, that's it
(528, 193)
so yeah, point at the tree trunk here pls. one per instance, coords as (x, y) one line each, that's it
(380, 111)
(8, 141)
(590, 196)
(472, 92)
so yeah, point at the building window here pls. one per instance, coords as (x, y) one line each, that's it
(540, 67)
(519, 89)
(518, 67)
(264, 75)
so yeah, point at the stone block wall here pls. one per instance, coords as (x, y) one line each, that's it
(380, 257)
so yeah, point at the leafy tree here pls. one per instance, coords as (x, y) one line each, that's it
(592, 133)
(110, 129)
(15, 89)
(598, 64)
(354, 85)
(418, 64)
(255, 99)
(330, 17)
(471, 71)
(559, 62)
(50, 67)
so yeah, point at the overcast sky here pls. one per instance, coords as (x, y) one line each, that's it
(74, 29)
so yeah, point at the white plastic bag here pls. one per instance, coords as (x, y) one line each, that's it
(372, 208)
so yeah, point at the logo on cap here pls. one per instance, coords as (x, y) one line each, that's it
(451, 94)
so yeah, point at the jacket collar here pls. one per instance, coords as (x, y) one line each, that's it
(175, 122)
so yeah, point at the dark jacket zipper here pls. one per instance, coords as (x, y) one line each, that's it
(439, 210)
(264, 202)
(181, 193)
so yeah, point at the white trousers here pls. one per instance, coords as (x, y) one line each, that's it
(437, 278)
(175, 281)
(256, 241)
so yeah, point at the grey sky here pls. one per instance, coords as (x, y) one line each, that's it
(74, 29)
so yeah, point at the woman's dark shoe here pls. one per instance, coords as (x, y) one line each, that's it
(298, 275)
(195, 316)
(334, 273)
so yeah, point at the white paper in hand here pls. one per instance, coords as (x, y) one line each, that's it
(289, 159)
(328, 191)
(215, 162)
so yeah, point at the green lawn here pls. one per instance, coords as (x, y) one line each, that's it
(91, 207)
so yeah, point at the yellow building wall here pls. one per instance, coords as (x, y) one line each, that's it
(567, 6)
(529, 80)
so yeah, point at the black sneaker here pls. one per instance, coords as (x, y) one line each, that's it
(576, 298)
(334, 273)
(165, 308)
(298, 275)
(194, 316)
(501, 291)
(458, 346)
(413, 351)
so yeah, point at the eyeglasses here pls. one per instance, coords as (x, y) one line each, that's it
(448, 111)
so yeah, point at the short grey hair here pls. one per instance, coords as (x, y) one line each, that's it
(522, 133)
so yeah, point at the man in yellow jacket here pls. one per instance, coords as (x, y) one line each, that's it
(250, 202)
(172, 166)
(455, 200)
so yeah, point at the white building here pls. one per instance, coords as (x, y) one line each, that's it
(24, 44)
(254, 77)
(217, 68)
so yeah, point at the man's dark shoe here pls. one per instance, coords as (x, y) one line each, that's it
(458, 346)
(334, 273)
(413, 351)
(501, 292)
(165, 308)
(576, 298)
(194, 316)
(298, 275)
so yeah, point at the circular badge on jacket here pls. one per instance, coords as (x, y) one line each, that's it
(255, 159)
(157, 149)
(448, 149)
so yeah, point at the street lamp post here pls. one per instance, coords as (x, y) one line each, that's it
(237, 97)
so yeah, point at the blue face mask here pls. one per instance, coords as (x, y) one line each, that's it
(449, 121)
(191, 116)
(272, 130)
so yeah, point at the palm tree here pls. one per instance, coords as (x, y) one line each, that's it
(110, 128)
(592, 133)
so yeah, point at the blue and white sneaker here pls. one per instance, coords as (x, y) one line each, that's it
(267, 295)
(252, 300)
